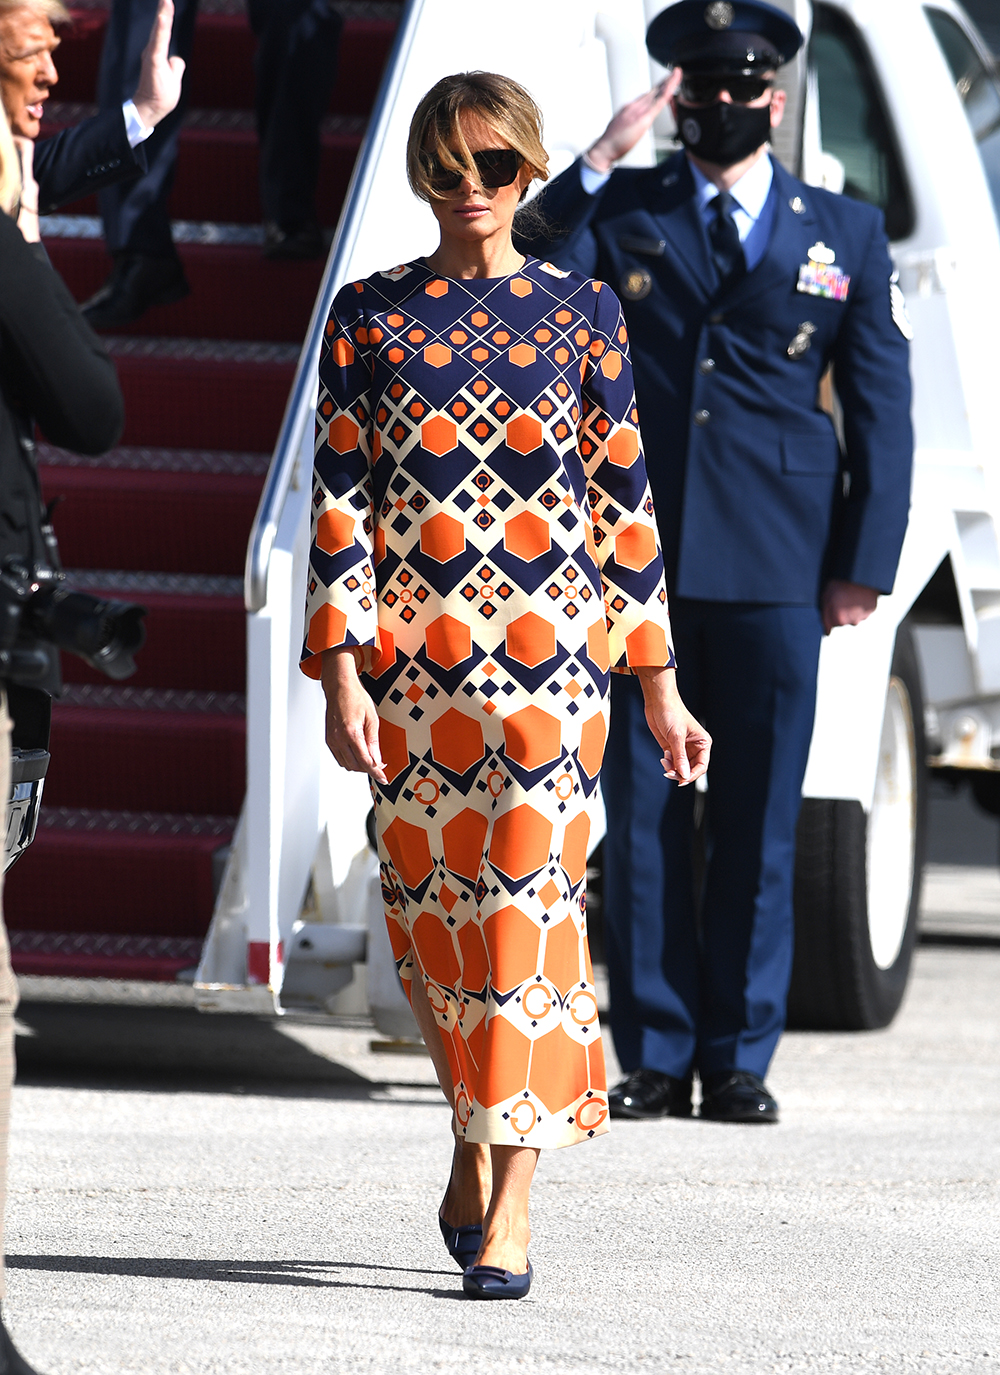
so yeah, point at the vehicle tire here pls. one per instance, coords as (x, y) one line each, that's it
(858, 876)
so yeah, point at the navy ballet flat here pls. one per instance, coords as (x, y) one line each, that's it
(490, 1282)
(463, 1243)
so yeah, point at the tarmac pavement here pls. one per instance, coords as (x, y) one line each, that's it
(210, 1194)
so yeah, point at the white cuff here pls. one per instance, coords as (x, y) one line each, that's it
(591, 179)
(135, 130)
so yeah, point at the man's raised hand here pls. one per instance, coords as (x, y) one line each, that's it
(159, 87)
(630, 123)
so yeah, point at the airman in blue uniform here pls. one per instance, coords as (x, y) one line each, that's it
(741, 286)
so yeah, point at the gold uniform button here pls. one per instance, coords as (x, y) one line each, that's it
(702, 417)
(706, 366)
(636, 284)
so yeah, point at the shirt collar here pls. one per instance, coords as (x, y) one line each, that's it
(750, 192)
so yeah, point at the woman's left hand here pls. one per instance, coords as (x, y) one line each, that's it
(686, 744)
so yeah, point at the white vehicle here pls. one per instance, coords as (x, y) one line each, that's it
(893, 102)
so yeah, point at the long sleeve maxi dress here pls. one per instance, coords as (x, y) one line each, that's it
(484, 536)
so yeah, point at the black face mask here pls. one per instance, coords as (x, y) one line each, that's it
(722, 133)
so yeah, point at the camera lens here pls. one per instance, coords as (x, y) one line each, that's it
(106, 634)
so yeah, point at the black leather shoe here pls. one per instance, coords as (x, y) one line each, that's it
(648, 1093)
(11, 1360)
(293, 243)
(736, 1095)
(137, 282)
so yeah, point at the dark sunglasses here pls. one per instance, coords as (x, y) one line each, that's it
(703, 88)
(495, 167)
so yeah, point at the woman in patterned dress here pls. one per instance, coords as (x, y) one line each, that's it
(484, 555)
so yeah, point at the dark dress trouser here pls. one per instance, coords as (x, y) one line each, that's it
(705, 984)
(135, 213)
(296, 66)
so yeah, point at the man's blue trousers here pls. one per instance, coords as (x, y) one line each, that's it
(700, 979)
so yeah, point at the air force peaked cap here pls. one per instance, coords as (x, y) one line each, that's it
(722, 36)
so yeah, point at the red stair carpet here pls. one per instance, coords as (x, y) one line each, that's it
(147, 776)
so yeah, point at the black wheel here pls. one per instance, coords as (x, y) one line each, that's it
(857, 877)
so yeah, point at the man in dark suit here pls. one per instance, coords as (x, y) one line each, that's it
(146, 269)
(98, 151)
(740, 285)
(296, 63)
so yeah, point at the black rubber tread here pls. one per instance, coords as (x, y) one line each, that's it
(836, 985)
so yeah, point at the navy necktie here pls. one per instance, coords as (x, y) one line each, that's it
(727, 251)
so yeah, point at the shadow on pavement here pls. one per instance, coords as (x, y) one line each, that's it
(292, 1272)
(984, 940)
(172, 1048)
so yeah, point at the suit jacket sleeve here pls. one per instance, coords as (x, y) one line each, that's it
(80, 160)
(55, 369)
(872, 376)
(558, 224)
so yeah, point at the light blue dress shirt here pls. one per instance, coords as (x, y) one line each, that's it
(752, 213)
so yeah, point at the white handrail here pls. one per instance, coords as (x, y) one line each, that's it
(301, 400)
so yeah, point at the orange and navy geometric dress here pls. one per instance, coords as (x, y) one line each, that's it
(483, 534)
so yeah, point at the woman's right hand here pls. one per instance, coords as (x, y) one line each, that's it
(351, 718)
(27, 219)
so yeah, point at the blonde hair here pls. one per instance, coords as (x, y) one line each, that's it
(10, 167)
(53, 10)
(505, 106)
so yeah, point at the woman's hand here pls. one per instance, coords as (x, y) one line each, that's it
(686, 745)
(351, 718)
(630, 123)
(27, 219)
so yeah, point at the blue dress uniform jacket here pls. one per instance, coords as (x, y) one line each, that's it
(755, 501)
(757, 506)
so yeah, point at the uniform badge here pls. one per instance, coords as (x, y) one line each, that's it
(636, 283)
(719, 15)
(803, 340)
(819, 253)
(897, 303)
(819, 276)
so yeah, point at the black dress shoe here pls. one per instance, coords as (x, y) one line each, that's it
(137, 282)
(293, 243)
(11, 1360)
(648, 1093)
(736, 1095)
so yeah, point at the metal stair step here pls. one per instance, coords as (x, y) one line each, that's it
(154, 520)
(234, 288)
(198, 393)
(221, 66)
(103, 872)
(124, 755)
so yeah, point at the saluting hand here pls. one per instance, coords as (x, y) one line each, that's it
(631, 122)
(159, 87)
(351, 718)
(686, 744)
